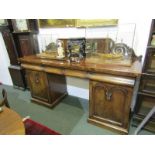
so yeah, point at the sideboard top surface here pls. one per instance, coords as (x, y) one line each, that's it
(130, 71)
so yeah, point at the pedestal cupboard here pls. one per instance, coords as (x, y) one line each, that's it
(46, 88)
(110, 104)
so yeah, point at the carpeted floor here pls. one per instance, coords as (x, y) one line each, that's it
(69, 117)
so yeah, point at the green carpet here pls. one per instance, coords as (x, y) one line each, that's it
(69, 117)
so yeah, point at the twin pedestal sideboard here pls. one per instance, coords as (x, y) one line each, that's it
(110, 87)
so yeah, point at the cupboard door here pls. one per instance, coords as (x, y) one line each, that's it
(110, 103)
(37, 82)
(25, 45)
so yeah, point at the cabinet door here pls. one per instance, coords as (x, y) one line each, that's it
(25, 43)
(37, 82)
(10, 46)
(110, 103)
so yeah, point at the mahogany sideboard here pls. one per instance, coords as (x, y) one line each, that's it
(110, 87)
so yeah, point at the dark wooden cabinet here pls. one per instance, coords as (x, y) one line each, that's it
(16, 72)
(110, 105)
(20, 37)
(24, 32)
(46, 89)
(146, 93)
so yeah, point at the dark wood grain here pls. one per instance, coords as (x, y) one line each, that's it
(10, 46)
(110, 104)
(133, 71)
(57, 86)
(46, 89)
(28, 44)
(17, 75)
(38, 85)
(111, 87)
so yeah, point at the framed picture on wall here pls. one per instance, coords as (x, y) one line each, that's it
(96, 22)
(60, 23)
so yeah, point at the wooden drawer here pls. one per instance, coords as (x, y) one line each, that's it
(110, 105)
(38, 85)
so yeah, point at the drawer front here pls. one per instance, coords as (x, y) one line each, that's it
(147, 84)
(110, 103)
(38, 85)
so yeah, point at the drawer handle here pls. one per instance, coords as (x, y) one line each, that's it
(36, 78)
(108, 95)
(37, 81)
(111, 90)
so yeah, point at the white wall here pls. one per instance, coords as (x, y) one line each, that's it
(125, 31)
(4, 63)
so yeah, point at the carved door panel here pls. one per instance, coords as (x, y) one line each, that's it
(110, 103)
(38, 85)
(26, 45)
